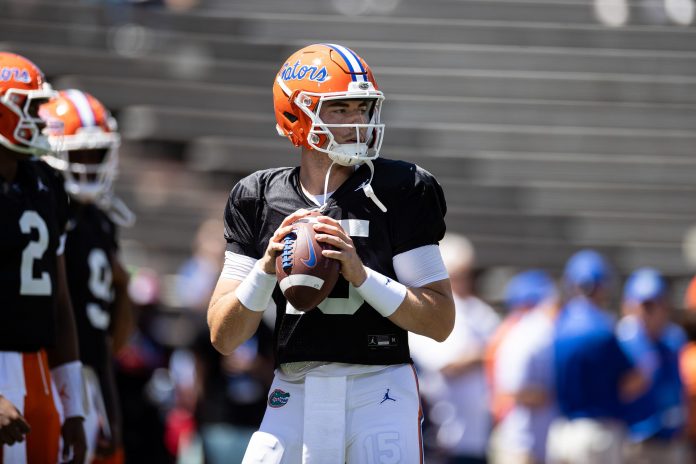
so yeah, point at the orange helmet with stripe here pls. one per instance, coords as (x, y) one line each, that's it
(23, 88)
(87, 150)
(319, 73)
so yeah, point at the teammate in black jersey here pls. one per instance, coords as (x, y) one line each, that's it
(337, 363)
(86, 153)
(37, 330)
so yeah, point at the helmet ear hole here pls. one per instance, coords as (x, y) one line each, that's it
(290, 117)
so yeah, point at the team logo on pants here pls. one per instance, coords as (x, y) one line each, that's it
(278, 398)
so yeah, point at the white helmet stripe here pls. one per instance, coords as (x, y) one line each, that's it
(353, 62)
(84, 109)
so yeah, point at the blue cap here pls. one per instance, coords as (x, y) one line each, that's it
(645, 284)
(587, 269)
(528, 289)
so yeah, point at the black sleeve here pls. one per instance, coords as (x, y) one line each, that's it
(113, 235)
(54, 179)
(419, 216)
(62, 198)
(109, 228)
(241, 218)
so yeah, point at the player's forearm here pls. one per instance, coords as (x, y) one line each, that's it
(66, 347)
(427, 311)
(111, 400)
(230, 323)
(123, 321)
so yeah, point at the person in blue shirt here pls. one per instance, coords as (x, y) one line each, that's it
(657, 417)
(594, 378)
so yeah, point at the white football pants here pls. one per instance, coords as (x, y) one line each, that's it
(360, 419)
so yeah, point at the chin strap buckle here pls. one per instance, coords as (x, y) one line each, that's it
(371, 195)
(369, 192)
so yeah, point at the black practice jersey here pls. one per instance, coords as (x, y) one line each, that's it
(343, 328)
(34, 213)
(89, 249)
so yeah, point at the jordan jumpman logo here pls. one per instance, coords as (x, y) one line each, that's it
(387, 397)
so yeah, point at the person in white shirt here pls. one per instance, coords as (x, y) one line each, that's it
(452, 380)
(524, 372)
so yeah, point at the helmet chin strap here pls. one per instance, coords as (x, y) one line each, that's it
(367, 187)
(322, 208)
(369, 191)
(116, 209)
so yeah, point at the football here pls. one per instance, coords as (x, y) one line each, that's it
(305, 276)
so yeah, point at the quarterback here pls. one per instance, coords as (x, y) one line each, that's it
(344, 388)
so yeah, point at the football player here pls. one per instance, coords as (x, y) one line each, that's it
(344, 388)
(38, 339)
(86, 153)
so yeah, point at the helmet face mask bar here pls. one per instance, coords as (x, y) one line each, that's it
(368, 136)
(89, 167)
(87, 154)
(23, 88)
(30, 127)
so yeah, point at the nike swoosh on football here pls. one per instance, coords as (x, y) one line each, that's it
(312, 261)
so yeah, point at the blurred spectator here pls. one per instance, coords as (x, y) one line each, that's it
(524, 372)
(657, 417)
(688, 362)
(451, 373)
(232, 394)
(593, 375)
(142, 379)
(197, 276)
(520, 296)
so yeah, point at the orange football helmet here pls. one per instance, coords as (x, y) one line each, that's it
(319, 73)
(87, 150)
(23, 88)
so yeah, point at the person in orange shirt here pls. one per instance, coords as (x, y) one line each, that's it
(688, 361)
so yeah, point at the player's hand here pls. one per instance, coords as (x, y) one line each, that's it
(13, 427)
(74, 442)
(275, 244)
(106, 446)
(330, 231)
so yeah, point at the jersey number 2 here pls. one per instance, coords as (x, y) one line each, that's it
(34, 251)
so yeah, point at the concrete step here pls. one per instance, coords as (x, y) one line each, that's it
(564, 198)
(572, 227)
(262, 24)
(313, 28)
(412, 81)
(120, 93)
(384, 53)
(214, 154)
(218, 11)
(494, 251)
(520, 168)
(183, 125)
(551, 11)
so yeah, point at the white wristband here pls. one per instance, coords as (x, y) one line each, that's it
(256, 289)
(70, 386)
(382, 293)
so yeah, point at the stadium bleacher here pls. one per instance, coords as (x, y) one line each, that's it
(548, 130)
